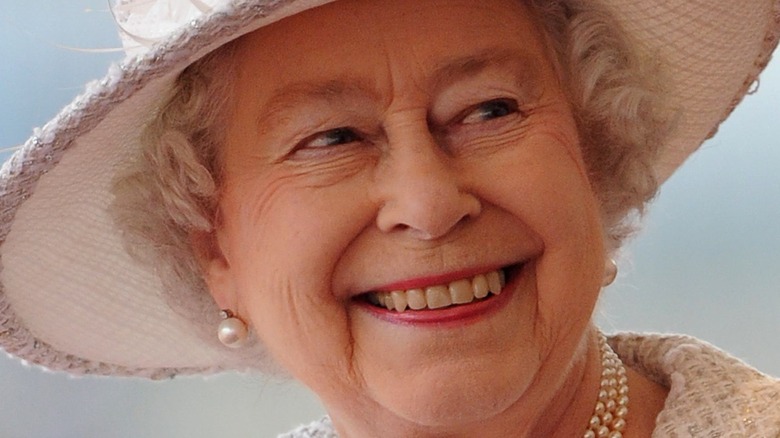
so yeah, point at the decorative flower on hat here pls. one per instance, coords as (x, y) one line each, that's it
(144, 22)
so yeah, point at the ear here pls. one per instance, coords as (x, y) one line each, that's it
(214, 267)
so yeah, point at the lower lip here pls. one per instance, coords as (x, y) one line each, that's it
(454, 315)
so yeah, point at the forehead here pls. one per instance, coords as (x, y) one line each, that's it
(376, 39)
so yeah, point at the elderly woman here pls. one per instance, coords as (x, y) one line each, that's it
(410, 207)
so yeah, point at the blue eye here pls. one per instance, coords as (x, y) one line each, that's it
(334, 137)
(492, 109)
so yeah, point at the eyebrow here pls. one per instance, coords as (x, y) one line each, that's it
(333, 92)
(524, 66)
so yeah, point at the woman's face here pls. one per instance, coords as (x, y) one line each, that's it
(408, 146)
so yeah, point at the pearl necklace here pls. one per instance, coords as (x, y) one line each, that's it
(608, 420)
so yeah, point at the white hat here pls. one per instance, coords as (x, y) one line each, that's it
(72, 298)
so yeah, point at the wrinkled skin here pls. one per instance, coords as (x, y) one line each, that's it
(383, 142)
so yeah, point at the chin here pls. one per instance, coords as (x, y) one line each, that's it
(456, 399)
(465, 387)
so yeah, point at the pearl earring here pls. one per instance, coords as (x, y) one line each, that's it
(232, 331)
(610, 272)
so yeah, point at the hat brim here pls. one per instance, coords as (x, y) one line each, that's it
(72, 299)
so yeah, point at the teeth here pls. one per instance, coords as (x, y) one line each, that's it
(480, 285)
(436, 297)
(399, 300)
(387, 301)
(461, 292)
(494, 282)
(416, 299)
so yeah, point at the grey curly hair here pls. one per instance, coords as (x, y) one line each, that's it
(618, 98)
(173, 191)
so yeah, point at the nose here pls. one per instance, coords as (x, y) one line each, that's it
(421, 191)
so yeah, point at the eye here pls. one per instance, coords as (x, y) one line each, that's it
(492, 109)
(333, 137)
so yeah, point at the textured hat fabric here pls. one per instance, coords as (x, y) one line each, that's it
(72, 299)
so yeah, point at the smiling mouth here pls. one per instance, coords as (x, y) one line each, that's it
(459, 292)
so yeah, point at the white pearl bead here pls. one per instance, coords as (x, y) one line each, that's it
(232, 332)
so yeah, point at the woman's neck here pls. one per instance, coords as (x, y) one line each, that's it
(563, 412)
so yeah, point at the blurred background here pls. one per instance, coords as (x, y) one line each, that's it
(706, 264)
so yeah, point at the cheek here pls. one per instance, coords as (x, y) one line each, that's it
(283, 244)
(544, 184)
(280, 224)
(569, 272)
